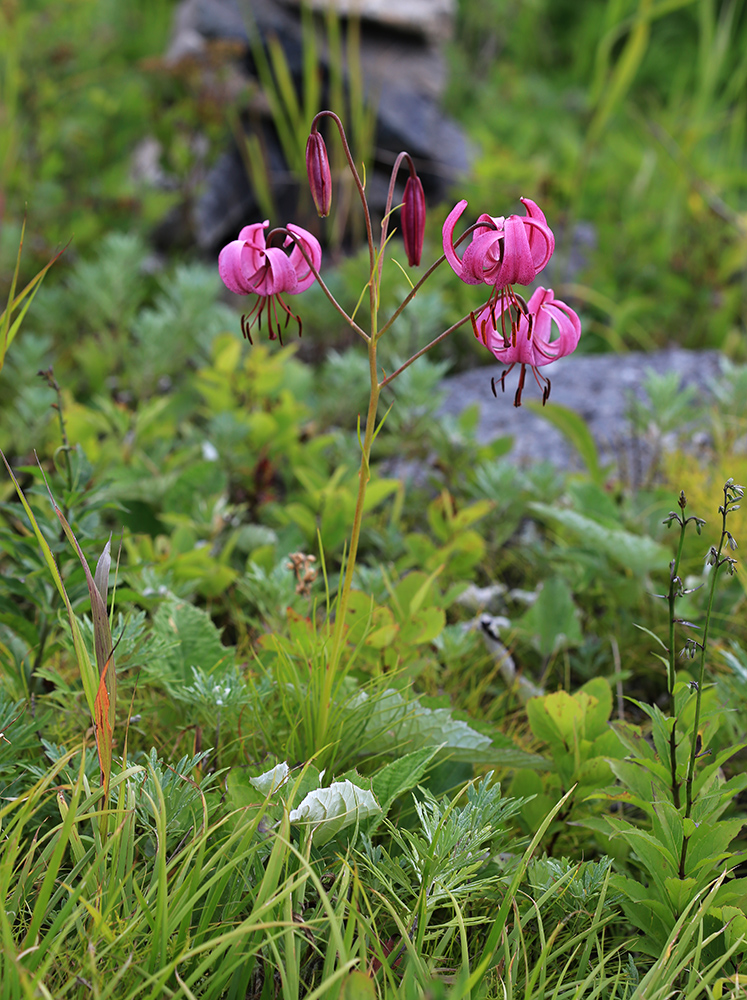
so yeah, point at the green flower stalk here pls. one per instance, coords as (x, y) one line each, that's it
(501, 252)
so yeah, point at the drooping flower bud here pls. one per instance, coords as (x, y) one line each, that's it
(320, 178)
(413, 219)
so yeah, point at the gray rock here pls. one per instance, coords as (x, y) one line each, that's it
(597, 387)
(433, 19)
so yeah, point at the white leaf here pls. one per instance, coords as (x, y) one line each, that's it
(329, 810)
(270, 781)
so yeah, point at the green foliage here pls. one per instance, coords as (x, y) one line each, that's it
(444, 862)
(575, 729)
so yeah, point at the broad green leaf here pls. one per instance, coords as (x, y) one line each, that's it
(192, 640)
(378, 490)
(423, 627)
(709, 842)
(598, 706)
(303, 517)
(552, 621)
(465, 517)
(637, 553)
(680, 892)
(410, 724)
(411, 591)
(359, 986)
(667, 826)
(633, 740)
(659, 862)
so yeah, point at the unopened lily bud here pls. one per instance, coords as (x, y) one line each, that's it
(413, 220)
(320, 178)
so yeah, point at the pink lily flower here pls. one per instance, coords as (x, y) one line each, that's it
(528, 341)
(247, 266)
(503, 251)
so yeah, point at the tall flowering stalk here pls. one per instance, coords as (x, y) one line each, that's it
(501, 253)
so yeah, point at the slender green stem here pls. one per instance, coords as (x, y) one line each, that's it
(388, 207)
(411, 294)
(694, 750)
(358, 184)
(675, 588)
(716, 559)
(423, 350)
(363, 478)
(281, 230)
(372, 338)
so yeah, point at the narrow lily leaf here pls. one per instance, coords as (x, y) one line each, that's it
(87, 672)
(653, 635)
(102, 640)
(5, 338)
(330, 810)
(577, 432)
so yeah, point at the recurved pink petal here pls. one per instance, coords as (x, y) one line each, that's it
(254, 234)
(230, 270)
(531, 344)
(254, 247)
(482, 258)
(518, 265)
(569, 331)
(541, 237)
(448, 242)
(304, 274)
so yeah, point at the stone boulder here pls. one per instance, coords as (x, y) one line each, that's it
(403, 73)
(604, 389)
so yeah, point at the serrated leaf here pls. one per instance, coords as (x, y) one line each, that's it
(408, 723)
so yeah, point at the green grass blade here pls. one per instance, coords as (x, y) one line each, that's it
(8, 331)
